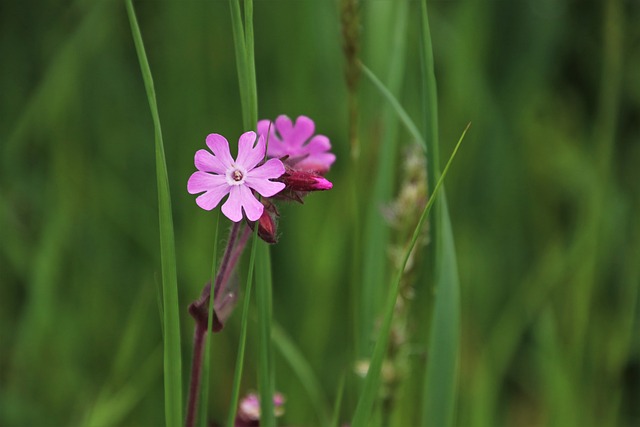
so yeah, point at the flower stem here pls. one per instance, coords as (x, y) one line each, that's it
(224, 264)
(196, 369)
(198, 310)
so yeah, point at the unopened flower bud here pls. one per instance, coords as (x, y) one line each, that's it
(300, 180)
(267, 225)
(267, 228)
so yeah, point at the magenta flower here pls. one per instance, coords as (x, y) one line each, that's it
(304, 151)
(218, 175)
(249, 409)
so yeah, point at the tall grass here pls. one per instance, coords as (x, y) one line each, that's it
(170, 303)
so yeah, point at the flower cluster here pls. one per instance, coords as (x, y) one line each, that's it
(284, 161)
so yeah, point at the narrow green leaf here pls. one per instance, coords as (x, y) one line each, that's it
(265, 362)
(239, 43)
(251, 119)
(335, 421)
(372, 381)
(402, 114)
(440, 383)
(237, 375)
(441, 374)
(172, 356)
(303, 371)
(244, 44)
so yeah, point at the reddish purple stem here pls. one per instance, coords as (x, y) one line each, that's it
(199, 311)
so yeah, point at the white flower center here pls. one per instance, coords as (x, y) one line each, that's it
(236, 175)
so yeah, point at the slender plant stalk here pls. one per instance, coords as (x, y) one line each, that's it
(201, 326)
(444, 338)
(171, 318)
(303, 371)
(204, 413)
(237, 375)
(241, 60)
(402, 114)
(244, 47)
(252, 89)
(335, 419)
(199, 337)
(265, 363)
(372, 381)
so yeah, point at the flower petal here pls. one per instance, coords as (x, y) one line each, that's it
(202, 181)
(232, 208)
(214, 186)
(220, 147)
(248, 156)
(284, 126)
(272, 168)
(318, 144)
(252, 207)
(211, 198)
(295, 135)
(263, 186)
(317, 162)
(207, 162)
(241, 197)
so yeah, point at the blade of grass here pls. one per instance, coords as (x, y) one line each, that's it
(265, 360)
(244, 45)
(440, 380)
(441, 374)
(252, 90)
(402, 114)
(206, 369)
(237, 375)
(113, 408)
(372, 381)
(335, 421)
(303, 371)
(172, 356)
(239, 43)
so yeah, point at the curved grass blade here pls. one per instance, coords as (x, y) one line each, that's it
(402, 114)
(335, 421)
(172, 355)
(441, 374)
(372, 381)
(303, 371)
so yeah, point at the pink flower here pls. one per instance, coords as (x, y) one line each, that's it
(295, 141)
(249, 408)
(218, 175)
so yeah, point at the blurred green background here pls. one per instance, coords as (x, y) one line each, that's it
(544, 197)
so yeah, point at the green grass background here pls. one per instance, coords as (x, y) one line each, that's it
(544, 202)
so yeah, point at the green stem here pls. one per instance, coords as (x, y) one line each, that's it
(171, 318)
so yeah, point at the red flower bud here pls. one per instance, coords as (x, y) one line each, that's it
(267, 225)
(299, 180)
